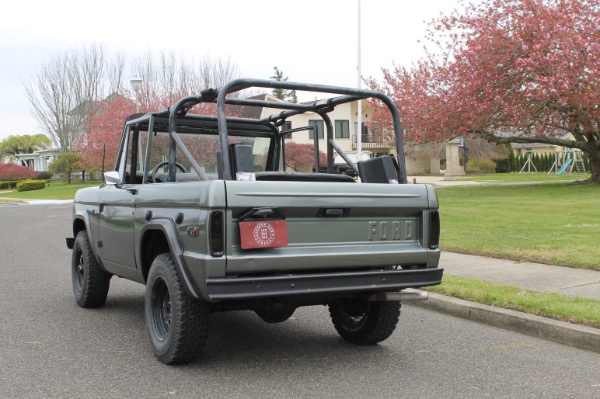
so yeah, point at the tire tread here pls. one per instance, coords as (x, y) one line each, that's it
(381, 321)
(96, 282)
(190, 329)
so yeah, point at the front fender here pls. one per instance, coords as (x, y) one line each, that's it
(82, 220)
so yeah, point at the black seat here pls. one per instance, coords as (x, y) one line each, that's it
(242, 159)
(378, 170)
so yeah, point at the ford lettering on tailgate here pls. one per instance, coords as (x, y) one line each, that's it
(391, 230)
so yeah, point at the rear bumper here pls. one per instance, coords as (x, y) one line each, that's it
(320, 284)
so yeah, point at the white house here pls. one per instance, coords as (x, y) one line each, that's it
(38, 160)
(344, 119)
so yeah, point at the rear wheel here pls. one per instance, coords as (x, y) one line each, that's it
(364, 322)
(90, 282)
(177, 323)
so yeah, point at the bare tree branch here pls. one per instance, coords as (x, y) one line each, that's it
(65, 92)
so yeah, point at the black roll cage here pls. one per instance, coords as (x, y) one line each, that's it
(175, 119)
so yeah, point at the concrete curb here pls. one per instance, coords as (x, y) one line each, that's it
(582, 337)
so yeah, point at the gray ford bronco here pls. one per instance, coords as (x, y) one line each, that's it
(202, 211)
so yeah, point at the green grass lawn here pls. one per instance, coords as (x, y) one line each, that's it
(560, 307)
(56, 189)
(526, 177)
(553, 223)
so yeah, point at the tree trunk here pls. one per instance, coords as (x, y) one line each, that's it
(595, 166)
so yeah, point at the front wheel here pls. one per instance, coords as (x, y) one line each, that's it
(364, 322)
(90, 282)
(177, 323)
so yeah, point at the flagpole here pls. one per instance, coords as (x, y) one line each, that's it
(359, 119)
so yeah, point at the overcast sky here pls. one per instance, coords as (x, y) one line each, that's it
(313, 41)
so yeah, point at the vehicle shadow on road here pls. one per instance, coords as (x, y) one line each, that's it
(241, 337)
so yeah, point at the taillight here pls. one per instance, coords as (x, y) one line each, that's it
(434, 230)
(216, 233)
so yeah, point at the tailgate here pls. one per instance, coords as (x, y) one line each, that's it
(332, 226)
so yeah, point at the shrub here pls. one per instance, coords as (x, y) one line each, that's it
(5, 185)
(12, 171)
(481, 166)
(503, 166)
(29, 185)
(44, 176)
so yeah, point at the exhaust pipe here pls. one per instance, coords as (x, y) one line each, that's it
(412, 295)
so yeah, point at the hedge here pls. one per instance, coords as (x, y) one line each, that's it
(481, 166)
(29, 185)
(5, 185)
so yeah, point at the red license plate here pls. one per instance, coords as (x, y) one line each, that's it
(263, 234)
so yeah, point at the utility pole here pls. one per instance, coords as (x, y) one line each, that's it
(359, 119)
(136, 84)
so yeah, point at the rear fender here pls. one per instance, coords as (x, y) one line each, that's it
(167, 227)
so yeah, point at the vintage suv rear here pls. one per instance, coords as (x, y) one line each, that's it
(202, 211)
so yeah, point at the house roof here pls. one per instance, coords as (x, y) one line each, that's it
(250, 112)
(566, 136)
(38, 153)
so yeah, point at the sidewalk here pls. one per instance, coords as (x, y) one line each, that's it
(529, 276)
(440, 181)
(24, 201)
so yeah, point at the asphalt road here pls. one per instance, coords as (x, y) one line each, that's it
(50, 348)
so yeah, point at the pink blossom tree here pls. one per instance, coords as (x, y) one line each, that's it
(105, 126)
(11, 171)
(524, 71)
(302, 156)
(103, 132)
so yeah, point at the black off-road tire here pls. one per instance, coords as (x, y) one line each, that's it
(363, 322)
(177, 323)
(90, 282)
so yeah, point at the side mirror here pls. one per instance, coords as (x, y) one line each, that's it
(112, 177)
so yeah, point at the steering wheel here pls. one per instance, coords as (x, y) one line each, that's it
(163, 163)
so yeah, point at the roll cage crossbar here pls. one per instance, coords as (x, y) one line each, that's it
(320, 107)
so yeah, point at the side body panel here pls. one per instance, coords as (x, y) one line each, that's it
(116, 227)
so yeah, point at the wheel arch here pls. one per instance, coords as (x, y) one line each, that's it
(159, 236)
(79, 224)
(154, 242)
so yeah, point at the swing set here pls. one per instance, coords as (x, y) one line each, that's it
(566, 161)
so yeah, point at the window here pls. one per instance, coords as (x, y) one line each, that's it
(287, 125)
(320, 129)
(365, 136)
(342, 129)
(126, 156)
